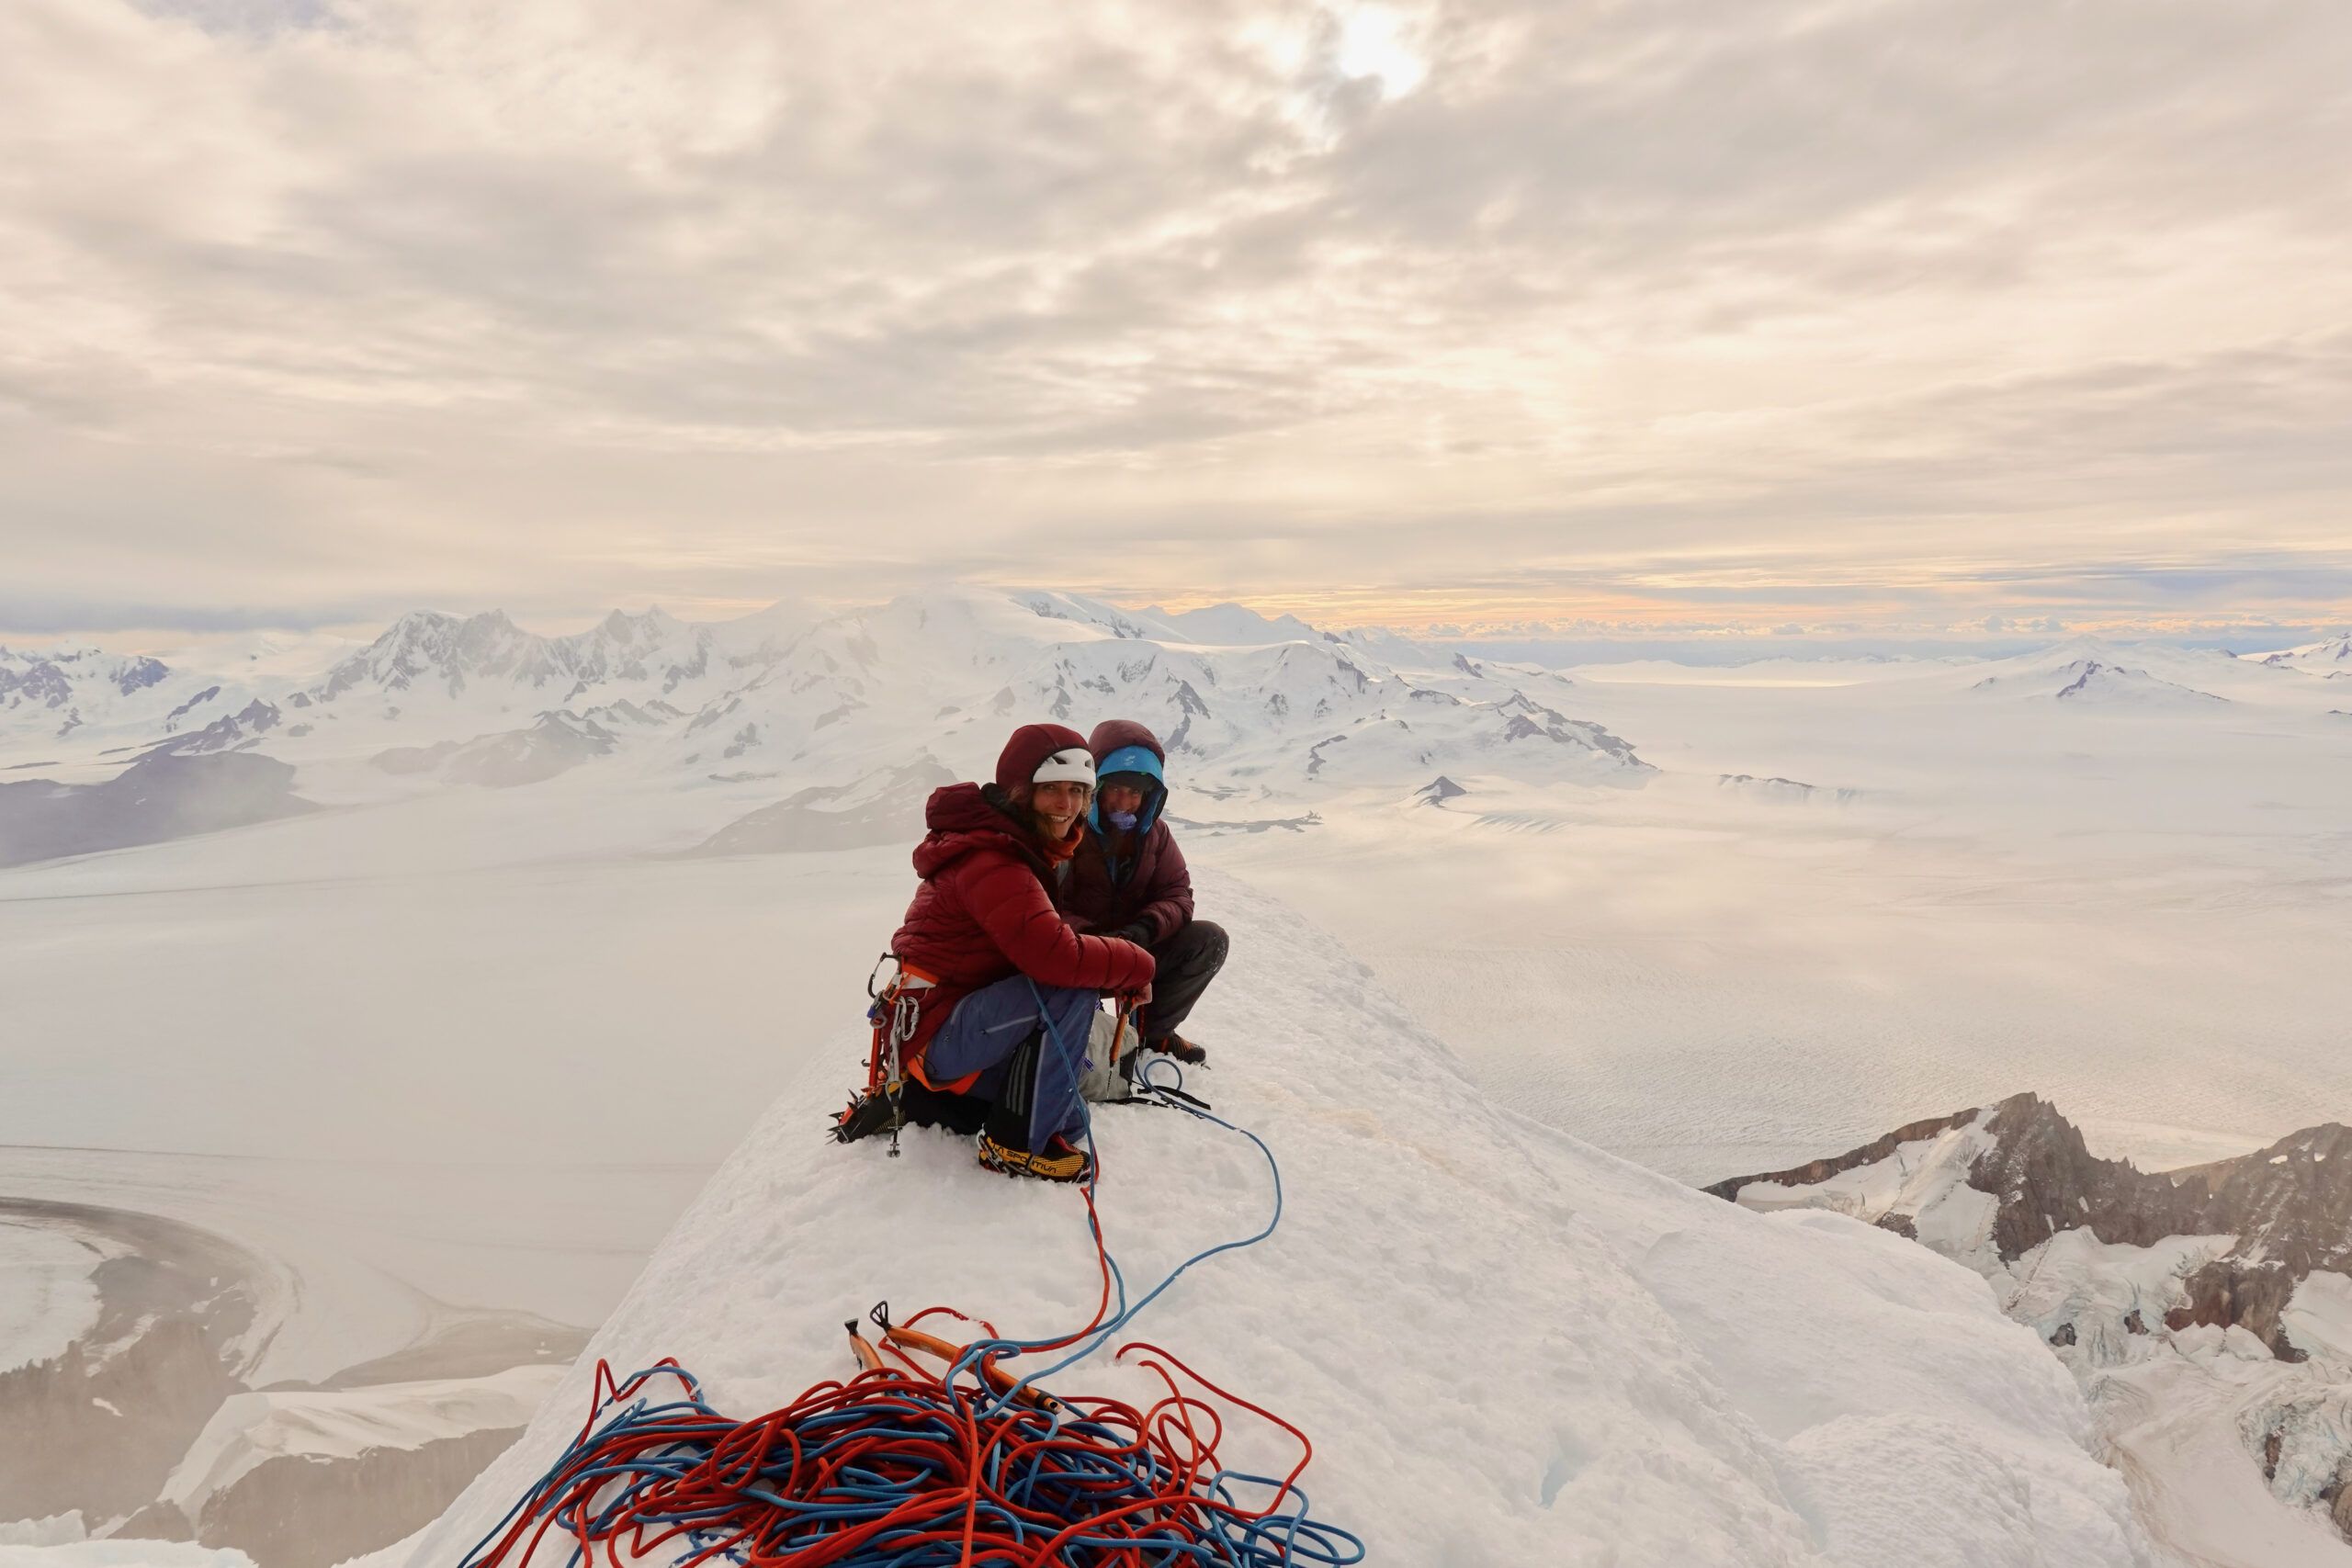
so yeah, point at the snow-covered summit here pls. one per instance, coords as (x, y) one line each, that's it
(428, 650)
(1235, 625)
(1508, 1347)
(947, 669)
(82, 692)
(2086, 672)
(2322, 657)
(51, 680)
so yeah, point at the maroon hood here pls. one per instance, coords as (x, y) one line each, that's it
(1113, 734)
(1029, 747)
(966, 817)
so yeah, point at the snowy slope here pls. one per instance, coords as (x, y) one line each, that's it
(1509, 1348)
(1924, 1178)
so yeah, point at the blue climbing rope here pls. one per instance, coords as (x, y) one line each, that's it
(901, 1468)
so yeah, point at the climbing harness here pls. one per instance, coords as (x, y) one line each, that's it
(905, 1467)
(896, 1092)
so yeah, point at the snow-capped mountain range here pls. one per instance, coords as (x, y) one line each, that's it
(1255, 713)
(1250, 705)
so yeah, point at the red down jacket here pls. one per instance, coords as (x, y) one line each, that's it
(982, 912)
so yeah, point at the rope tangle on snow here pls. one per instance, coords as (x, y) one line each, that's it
(902, 1467)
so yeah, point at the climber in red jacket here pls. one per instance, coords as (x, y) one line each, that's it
(1006, 987)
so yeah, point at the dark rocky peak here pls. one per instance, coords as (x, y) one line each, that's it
(433, 647)
(190, 706)
(2291, 1207)
(230, 732)
(1527, 719)
(2047, 1180)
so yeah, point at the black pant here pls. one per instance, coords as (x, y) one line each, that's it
(1187, 961)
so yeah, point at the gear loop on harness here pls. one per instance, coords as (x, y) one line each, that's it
(894, 1012)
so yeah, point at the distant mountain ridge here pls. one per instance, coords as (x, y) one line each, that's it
(1269, 708)
(2095, 682)
(427, 646)
(1272, 698)
(2326, 655)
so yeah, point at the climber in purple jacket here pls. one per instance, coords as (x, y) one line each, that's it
(1128, 879)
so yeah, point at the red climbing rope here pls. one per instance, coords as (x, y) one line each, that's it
(902, 1466)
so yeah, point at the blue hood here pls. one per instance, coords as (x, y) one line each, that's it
(1131, 760)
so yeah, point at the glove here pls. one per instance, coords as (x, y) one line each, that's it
(1138, 932)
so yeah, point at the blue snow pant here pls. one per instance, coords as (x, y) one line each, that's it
(984, 1027)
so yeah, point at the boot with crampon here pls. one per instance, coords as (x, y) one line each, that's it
(1004, 1143)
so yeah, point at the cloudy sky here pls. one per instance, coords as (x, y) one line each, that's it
(1898, 315)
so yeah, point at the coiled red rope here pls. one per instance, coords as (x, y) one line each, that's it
(904, 1467)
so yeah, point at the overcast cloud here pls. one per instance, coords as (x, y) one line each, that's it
(1862, 313)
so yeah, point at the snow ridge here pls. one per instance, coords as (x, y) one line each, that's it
(1508, 1347)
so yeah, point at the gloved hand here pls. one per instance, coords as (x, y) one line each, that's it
(1136, 931)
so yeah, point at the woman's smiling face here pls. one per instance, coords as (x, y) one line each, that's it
(1057, 805)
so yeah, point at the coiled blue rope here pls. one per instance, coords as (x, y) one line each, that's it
(680, 1470)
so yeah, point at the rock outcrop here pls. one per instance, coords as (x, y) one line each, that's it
(98, 1428)
(147, 1426)
(2216, 1294)
(161, 796)
(2288, 1206)
(301, 1512)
